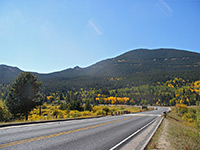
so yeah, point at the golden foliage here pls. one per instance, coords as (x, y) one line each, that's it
(115, 100)
(122, 60)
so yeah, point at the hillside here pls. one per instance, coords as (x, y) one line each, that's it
(141, 60)
(8, 73)
(148, 61)
(136, 67)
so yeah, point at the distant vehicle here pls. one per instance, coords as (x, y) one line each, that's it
(144, 107)
(164, 114)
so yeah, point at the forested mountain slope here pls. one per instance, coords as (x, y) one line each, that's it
(8, 73)
(136, 67)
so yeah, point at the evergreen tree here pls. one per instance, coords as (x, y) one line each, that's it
(88, 106)
(75, 105)
(23, 95)
(61, 97)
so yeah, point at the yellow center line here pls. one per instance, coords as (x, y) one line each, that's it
(58, 134)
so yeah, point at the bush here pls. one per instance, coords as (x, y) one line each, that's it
(193, 110)
(61, 115)
(113, 109)
(86, 113)
(35, 117)
(96, 108)
(4, 113)
(75, 113)
(122, 108)
(100, 112)
(55, 113)
(44, 106)
(76, 105)
(106, 109)
(190, 117)
(88, 106)
(181, 108)
(63, 106)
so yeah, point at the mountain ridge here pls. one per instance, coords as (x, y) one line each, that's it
(78, 67)
(129, 66)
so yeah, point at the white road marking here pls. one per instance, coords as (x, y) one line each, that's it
(143, 115)
(133, 134)
(147, 141)
(46, 123)
(29, 125)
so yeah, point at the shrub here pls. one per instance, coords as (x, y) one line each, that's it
(181, 108)
(75, 113)
(190, 117)
(86, 113)
(44, 106)
(106, 109)
(55, 113)
(35, 117)
(113, 109)
(122, 108)
(88, 106)
(100, 112)
(96, 108)
(63, 106)
(4, 113)
(193, 110)
(61, 115)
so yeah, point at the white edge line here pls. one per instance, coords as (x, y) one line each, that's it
(39, 124)
(28, 125)
(147, 141)
(132, 134)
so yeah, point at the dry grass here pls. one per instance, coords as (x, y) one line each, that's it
(181, 134)
(160, 139)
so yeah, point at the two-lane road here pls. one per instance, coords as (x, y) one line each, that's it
(87, 134)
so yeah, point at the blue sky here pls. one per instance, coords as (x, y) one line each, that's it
(52, 35)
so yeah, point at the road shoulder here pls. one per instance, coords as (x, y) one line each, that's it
(161, 138)
(142, 138)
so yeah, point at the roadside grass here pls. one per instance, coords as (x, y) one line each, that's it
(182, 135)
(153, 144)
(52, 112)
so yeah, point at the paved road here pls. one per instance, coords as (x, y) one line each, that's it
(87, 134)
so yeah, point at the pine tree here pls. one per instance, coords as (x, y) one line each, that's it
(23, 95)
(88, 106)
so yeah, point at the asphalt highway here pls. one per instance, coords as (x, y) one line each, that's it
(88, 134)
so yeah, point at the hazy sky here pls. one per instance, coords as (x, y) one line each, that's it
(51, 35)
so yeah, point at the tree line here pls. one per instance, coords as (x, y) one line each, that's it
(25, 94)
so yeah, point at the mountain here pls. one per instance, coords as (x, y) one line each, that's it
(141, 60)
(8, 73)
(136, 67)
(147, 61)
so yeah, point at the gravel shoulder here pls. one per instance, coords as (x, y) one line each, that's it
(160, 140)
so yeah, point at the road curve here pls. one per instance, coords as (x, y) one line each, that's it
(87, 134)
